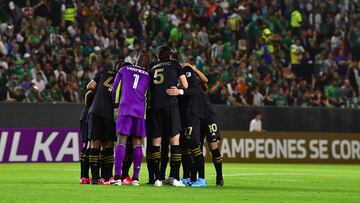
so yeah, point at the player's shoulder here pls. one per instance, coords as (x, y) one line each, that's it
(138, 69)
(110, 72)
(162, 64)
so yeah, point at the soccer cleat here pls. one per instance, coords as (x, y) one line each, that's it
(200, 182)
(158, 183)
(177, 183)
(150, 182)
(135, 183)
(186, 181)
(101, 181)
(127, 181)
(94, 182)
(84, 181)
(117, 183)
(110, 181)
(169, 181)
(219, 183)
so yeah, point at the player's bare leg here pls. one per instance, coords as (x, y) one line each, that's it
(217, 160)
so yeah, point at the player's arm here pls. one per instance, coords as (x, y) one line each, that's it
(200, 75)
(89, 97)
(93, 83)
(183, 81)
(116, 90)
(174, 91)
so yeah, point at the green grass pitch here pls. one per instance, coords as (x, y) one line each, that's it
(58, 182)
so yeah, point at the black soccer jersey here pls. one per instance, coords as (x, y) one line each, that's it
(102, 103)
(164, 74)
(190, 103)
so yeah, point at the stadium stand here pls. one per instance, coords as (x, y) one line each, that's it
(279, 52)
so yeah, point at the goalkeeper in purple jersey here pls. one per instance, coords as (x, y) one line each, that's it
(129, 95)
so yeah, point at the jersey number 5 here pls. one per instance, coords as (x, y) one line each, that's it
(136, 81)
(109, 83)
(159, 76)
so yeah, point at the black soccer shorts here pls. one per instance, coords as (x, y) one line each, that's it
(191, 132)
(165, 122)
(101, 128)
(210, 129)
(84, 129)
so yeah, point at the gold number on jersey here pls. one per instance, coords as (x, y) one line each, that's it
(188, 131)
(159, 76)
(212, 128)
(109, 83)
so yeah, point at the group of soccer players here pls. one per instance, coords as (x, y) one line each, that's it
(179, 117)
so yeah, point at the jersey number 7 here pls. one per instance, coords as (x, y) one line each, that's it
(159, 76)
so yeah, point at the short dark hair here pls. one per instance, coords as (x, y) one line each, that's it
(164, 53)
(174, 56)
(121, 63)
(143, 61)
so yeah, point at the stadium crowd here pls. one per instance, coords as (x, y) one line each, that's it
(254, 52)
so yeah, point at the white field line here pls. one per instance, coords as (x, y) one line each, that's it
(273, 179)
(278, 174)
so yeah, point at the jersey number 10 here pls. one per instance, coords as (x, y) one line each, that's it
(136, 81)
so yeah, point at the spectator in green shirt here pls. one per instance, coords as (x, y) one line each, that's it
(333, 92)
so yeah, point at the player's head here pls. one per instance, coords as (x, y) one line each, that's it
(120, 64)
(174, 56)
(143, 61)
(164, 53)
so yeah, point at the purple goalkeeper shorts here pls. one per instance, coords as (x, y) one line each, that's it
(131, 126)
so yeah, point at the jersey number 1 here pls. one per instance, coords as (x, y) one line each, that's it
(136, 81)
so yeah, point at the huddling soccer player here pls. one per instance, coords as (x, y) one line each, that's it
(208, 129)
(164, 146)
(165, 122)
(102, 127)
(129, 95)
(192, 113)
(84, 155)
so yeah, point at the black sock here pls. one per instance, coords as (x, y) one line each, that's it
(193, 170)
(164, 161)
(108, 162)
(94, 163)
(217, 160)
(86, 164)
(199, 161)
(156, 161)
(82, 161)
(102, 164)
(186, 162)
(149, 163)
(128, 161)
(175, 161)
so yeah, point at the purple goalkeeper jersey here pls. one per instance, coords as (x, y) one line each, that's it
(129, 91)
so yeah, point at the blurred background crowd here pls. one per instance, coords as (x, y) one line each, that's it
(254, 52)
